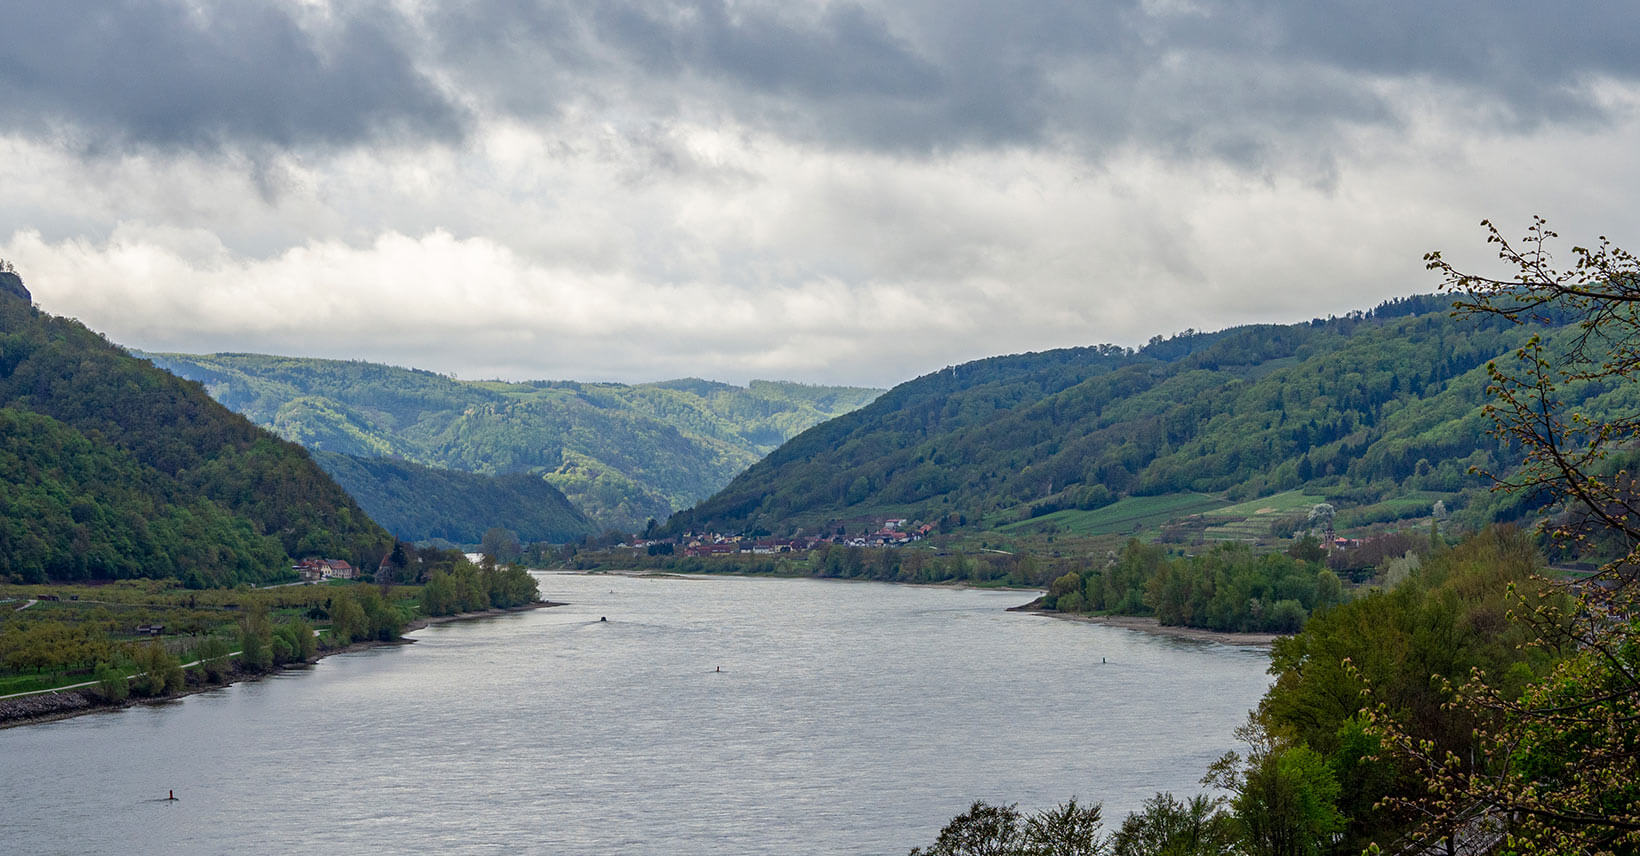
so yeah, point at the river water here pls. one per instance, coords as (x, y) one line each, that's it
(848, 718)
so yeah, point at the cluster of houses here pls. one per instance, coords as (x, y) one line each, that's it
(893, 533)
(317, 570)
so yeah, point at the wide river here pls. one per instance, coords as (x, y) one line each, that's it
(848, 718)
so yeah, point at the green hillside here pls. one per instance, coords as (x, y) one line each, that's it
(418, 503)
(1379, 413)
(110, 468)
(622, 454)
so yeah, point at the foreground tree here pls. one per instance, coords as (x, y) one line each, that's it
(1285, 798)
(1445, 618)
(1169, 827)
(1065, 830)
(1001, 830)
(1558, 763)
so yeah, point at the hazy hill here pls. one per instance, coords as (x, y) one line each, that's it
(110, 468)
(420, 503)
(621, 453)
(1378, 412)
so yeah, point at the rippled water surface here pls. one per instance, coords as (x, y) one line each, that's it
(847, 719)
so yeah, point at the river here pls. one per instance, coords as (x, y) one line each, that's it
(847, 718)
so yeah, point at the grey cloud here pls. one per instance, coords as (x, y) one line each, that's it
(836, 74)
(165, 73)
(1526, 62)
(1236, 80)
(850, 76)
(844, 51)
(847, 52)
(1478, 42)
(1232, 79)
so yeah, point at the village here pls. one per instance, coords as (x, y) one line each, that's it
(892, 533)
(319, 570)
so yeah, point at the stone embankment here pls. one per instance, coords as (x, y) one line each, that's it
(47, 706)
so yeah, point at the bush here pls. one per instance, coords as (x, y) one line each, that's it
(382, 621)
(159, 672)
(112, 684)
(347, 620)
(294, 642)
(1286, 616)
(213, 658)
(282, 650)
(256, 640)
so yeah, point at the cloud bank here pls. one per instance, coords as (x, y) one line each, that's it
(832, 192)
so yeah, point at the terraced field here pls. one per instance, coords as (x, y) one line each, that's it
(1133, 515)
(1251, 521)
(1198, 517)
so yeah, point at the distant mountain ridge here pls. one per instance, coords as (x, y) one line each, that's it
(622, 454)
(113, 469)
(1380, 411)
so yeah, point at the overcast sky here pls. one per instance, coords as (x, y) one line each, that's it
(828, 192)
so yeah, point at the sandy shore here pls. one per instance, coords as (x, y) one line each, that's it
(1151, 625)
(466, 616)
(49, 707)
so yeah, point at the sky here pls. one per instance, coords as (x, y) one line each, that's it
(828, 192)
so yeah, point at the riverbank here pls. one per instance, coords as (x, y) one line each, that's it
(1126, 622)
(639, 573)
(52, 706)
(419, 623)
(1156, 628)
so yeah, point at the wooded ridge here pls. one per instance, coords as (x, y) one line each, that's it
(621, 453)
(114, 469)
(1379, 412)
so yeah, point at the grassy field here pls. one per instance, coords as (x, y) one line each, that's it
(1213, 518)
(1133, 515)
(1251, 520)
(1413, 505)
(1285, 502)
(28, 683)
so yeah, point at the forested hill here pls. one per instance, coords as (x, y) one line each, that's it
(621, 453)
(420, 503)
(1369, 410)
(111, 468)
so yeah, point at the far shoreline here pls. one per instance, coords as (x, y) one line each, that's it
(427, 621)
(89, 702)
(1137, 623)
(640, 573)
(1145, 624)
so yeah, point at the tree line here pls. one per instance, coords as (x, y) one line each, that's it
(1230, 588)
(473, 589)
(97, 629)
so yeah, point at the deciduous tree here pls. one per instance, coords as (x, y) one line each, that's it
(1558, 764)
(1167, 826)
